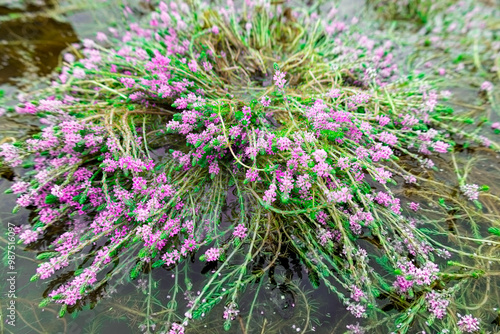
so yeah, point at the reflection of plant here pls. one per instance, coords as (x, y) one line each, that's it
(247, 169)
(457, 45)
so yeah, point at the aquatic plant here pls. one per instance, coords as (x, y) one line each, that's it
(300, 126)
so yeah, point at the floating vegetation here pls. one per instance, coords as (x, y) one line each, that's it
(256, 143)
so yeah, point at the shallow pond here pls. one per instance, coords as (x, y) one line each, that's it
(32, 37)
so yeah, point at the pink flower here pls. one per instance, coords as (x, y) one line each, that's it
(29, 236)
(286, 184)
(265, 101)
(388, 138)
(437, 304)
(213, 168)
(283, 143)
(176, 329)
(356, 293)
(207, 66)
(471, 191)
(414, 206)
(193, 66)
(252, 175)
(382, 175)
(446, 94)
(383, 120)
(20, 187)
(410, 179)
(270, 194)
(334, 93)
(486, 86)
(101, 37)
(440, 147)
(230, 311)
(189, 244)
(402, 284)
(468, 323)
(212, 254)
(279, 78)
(171, 258)
(355, 329)
(69, 58)
(357, 310)
(28, 108)
(240, 231)
(343, 195)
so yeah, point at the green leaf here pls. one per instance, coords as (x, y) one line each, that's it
(314, 279)
(62, 312)
(46, 255)
(51, 199)
(385, 263)
(44, 302)
(158, 263)
(494, 230)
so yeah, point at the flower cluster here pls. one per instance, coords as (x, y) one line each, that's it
(468, 323)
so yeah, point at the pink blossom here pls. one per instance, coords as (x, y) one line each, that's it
(388, 138)
(270, 194)
(252, 175)
(240, 231)
(190, 244)
(20, 187)
(471, 191)
(207, 66)
(212, 254)
(410, 179)
(101, 37)
(193, 66)
(355, 329)
(414, 206)
(486, 86)
(79, 73)
(382, 175)
(339, 196)
(176, 329)
(383, 120)
(357, 310)
(440, 147)
(468, 323)
(437, 304)
(265, 101)
(230, 311)
(29, 236)
(279, 78)
(356, 293)
(213, 168)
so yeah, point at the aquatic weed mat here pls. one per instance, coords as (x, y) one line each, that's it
(210, 147)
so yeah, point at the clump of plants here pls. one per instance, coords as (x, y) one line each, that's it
(146, 135)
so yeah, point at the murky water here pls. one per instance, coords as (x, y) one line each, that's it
(32, 37)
